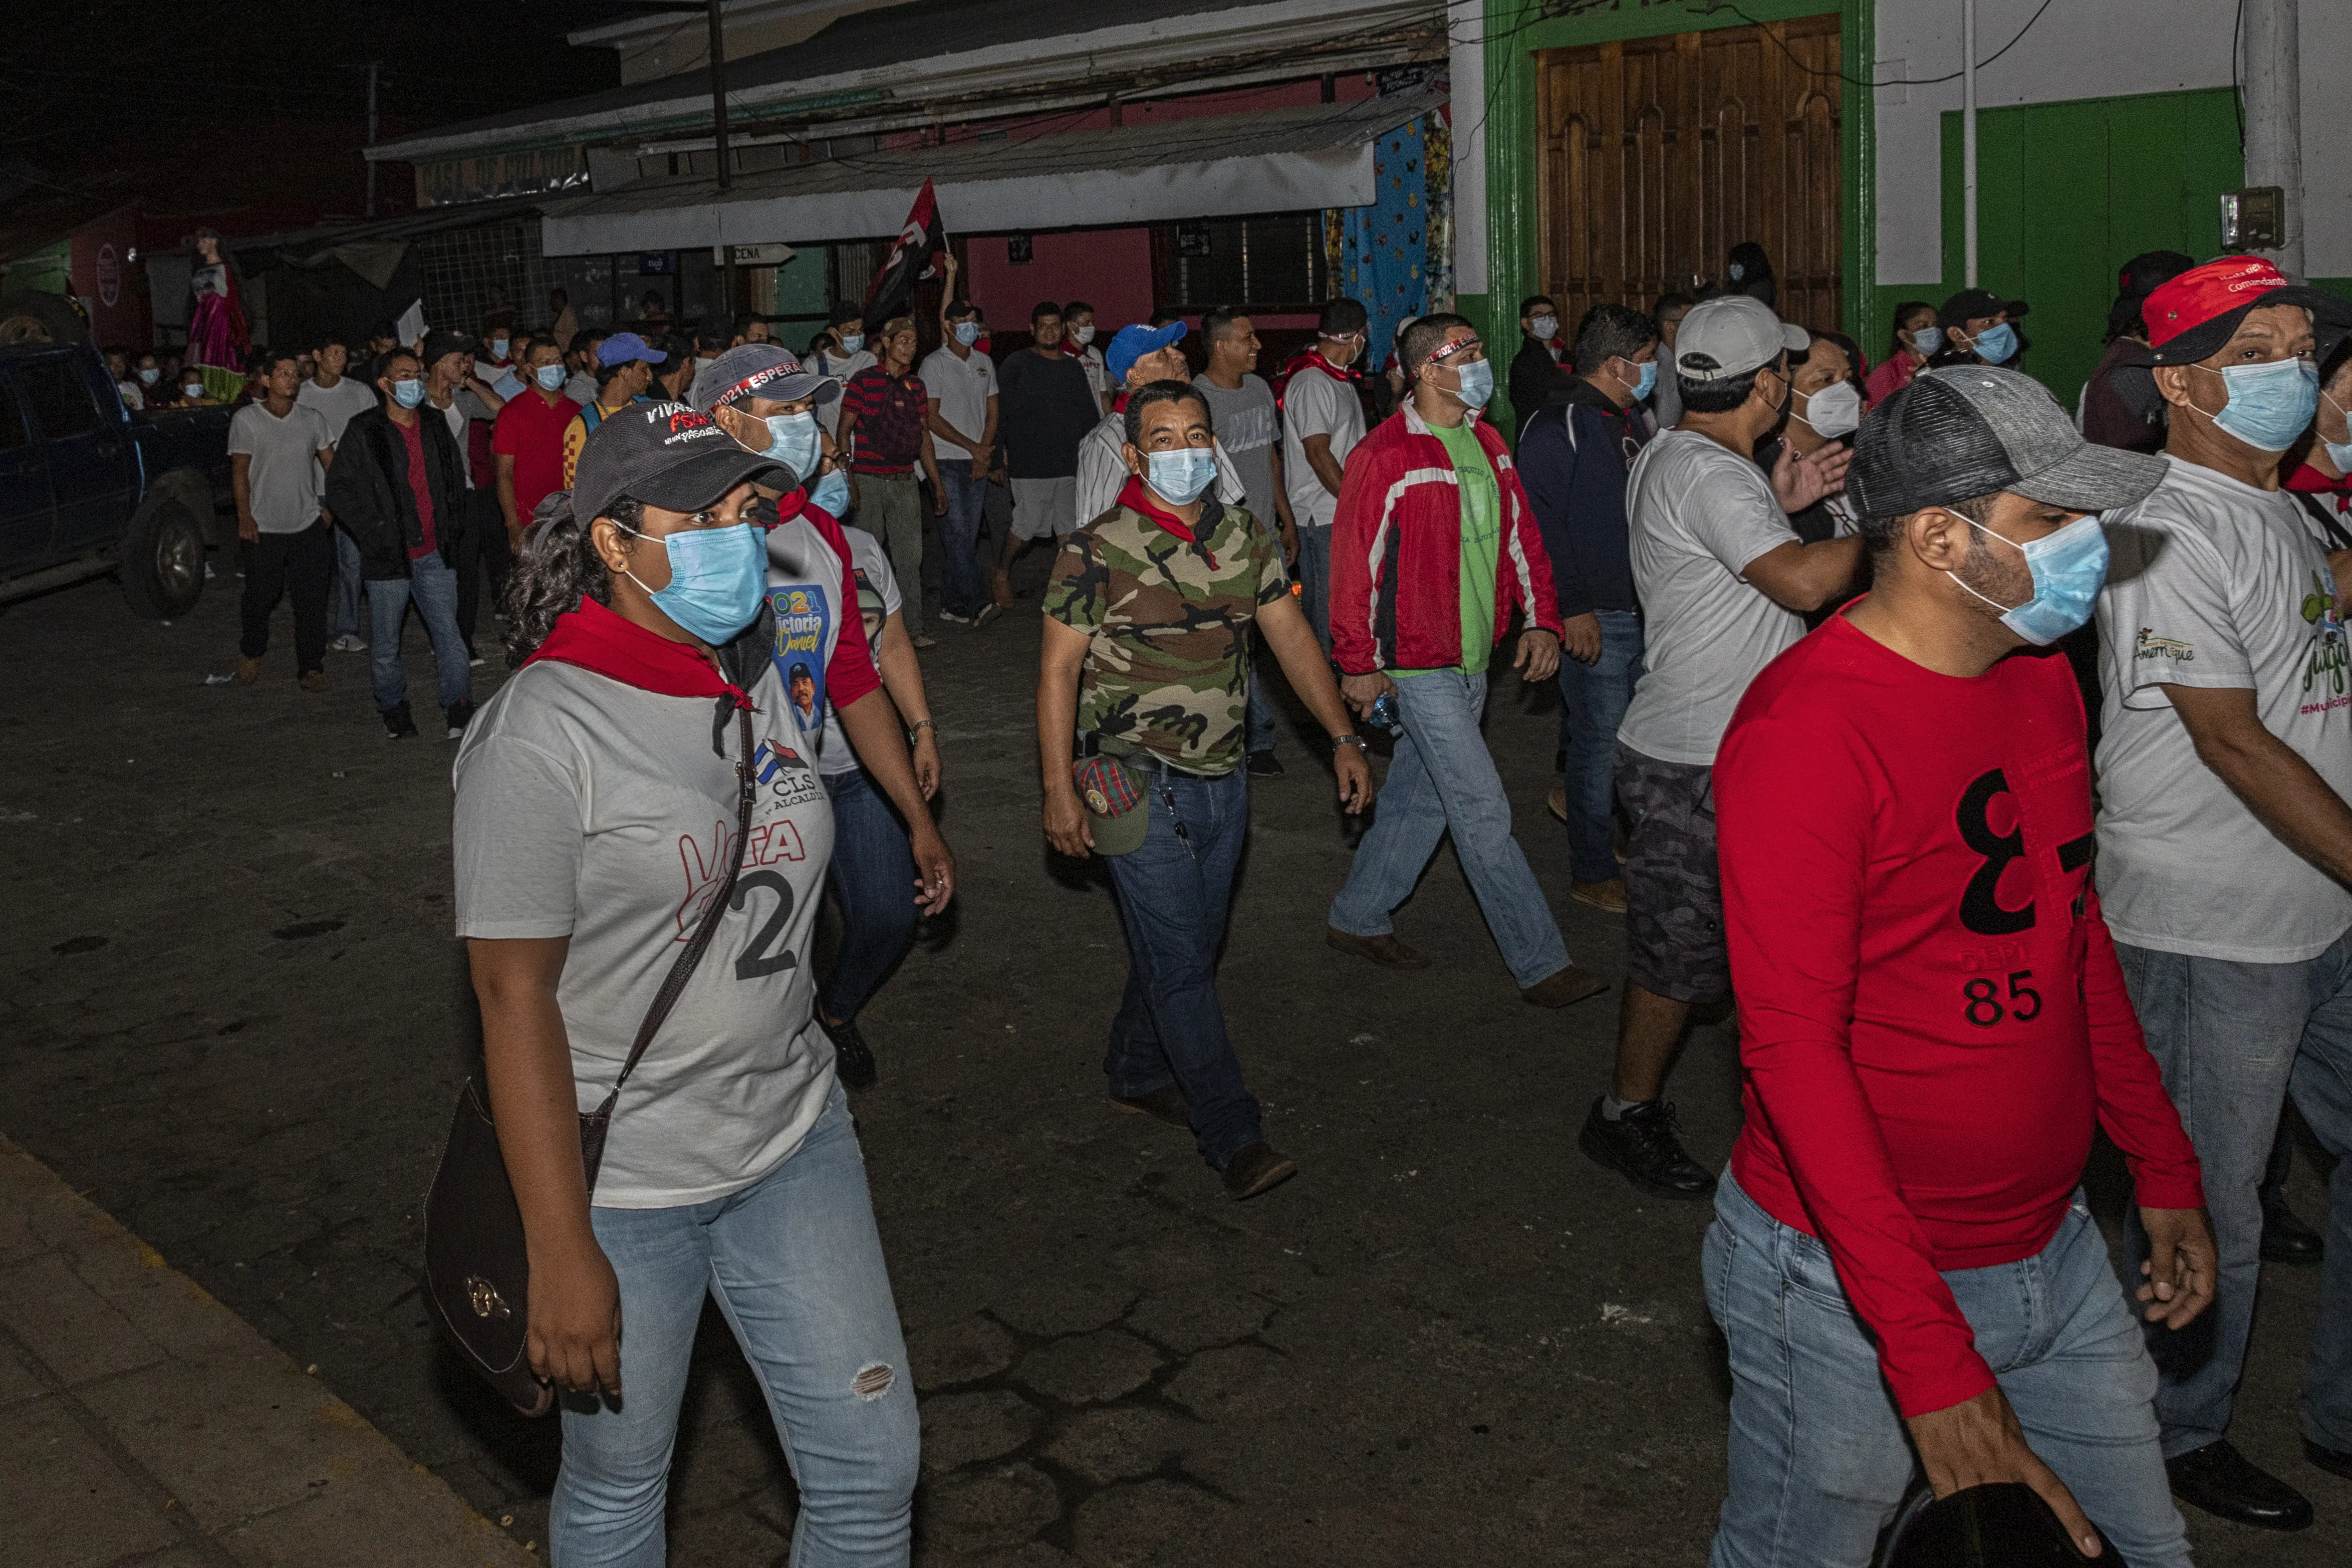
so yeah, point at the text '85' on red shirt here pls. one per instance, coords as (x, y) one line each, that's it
(1931, 1010)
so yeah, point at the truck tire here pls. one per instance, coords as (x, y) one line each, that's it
(28, 317)
(162, 564)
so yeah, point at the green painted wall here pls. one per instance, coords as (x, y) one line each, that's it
(2068, 192)
(1516, 28)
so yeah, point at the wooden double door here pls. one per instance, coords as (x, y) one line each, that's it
(1659, 154)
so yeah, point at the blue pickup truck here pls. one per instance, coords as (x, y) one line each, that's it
(88, 487)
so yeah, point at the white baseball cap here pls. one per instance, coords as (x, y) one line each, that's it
(1730, 335)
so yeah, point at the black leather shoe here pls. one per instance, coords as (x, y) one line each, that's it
(1255, 1169)
(2227, 1485)
(853, 1060)
(2286, 1239)
(1641, 1147)
(2335, 1461)
(1166, 1104)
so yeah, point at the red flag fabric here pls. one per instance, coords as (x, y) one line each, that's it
(909, 262)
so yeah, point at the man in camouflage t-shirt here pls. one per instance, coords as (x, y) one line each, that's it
(1145, 660)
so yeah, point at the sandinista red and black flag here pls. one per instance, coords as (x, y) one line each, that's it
(911, 261)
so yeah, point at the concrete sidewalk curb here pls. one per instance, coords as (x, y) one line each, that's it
(141, 1420)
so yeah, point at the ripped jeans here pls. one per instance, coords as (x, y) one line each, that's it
(795, 1265)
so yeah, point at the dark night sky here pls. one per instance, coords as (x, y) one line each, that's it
(73, 76)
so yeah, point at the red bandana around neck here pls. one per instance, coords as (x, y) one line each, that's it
(1138, 497)
(1119, 403)
(1314, 356)
(599, 639)
(2311, 481)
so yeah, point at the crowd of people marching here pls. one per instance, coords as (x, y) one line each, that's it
(1834, 643)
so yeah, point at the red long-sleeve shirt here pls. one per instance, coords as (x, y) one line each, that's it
(1931, 1010)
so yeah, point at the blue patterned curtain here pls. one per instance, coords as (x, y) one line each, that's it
(1384, 247)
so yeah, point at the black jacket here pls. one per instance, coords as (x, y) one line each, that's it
(368, 492)
(1537, 380)
(1574, 456)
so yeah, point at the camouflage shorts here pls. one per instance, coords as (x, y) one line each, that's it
(1674, 895)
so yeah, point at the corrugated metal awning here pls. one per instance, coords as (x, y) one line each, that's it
(1271, 161)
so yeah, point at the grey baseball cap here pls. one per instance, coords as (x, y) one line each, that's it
(665, 455)
(1972, 430)
(1730, 335)
(757, 370)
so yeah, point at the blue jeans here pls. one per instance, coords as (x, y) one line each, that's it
(795, 1265)
(434, 586)
(2230, 1039)
(1443, 779)
(1314, 581)
(873, 877)
(962, 590)
(1258, 731)
(344, 609)
(1820, 1459)
(1173, 891)
(1593, 699)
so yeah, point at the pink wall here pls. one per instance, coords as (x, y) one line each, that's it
(1110, 268)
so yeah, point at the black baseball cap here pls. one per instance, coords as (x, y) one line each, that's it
(1972, 430)
(665, 455)
(2138, 279)
(1974, 305)
(759, 370)
(438, 344)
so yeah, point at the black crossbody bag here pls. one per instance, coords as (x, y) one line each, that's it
(477, 1266)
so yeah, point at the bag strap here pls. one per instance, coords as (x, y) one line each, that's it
(674, 983)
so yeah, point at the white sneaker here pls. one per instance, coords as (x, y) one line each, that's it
(347, 642)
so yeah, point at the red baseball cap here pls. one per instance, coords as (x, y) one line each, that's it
(2193, 316)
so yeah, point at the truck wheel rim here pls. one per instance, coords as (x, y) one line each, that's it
(179, 558)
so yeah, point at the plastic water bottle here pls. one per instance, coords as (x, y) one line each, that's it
(1384, 714)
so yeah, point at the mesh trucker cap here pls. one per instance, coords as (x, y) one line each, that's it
(665, 455)
(1730, 335)
(757, 370)
(1972, 430)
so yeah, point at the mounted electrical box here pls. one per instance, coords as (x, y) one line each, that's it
(2253, 218)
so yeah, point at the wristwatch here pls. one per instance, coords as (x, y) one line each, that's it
(917, 727)
(1351, 738)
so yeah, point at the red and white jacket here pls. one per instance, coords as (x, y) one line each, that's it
(1396, 550)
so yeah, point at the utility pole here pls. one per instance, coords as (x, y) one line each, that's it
(1968, 139)
(374, 65)
(719, 136)
(2274, 105)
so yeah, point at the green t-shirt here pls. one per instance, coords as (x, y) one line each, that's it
(1482, 533)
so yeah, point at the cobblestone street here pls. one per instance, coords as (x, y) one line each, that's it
(235, 1019)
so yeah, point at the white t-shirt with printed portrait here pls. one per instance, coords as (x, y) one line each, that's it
(2215, 584)
(877, 601)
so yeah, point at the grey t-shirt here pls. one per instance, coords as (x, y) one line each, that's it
(593, 810)
(2215, 584)
(877, 601)
(337, 404)
(1314, 404)
(1699, 513)
(1244, 422)
(285, 476)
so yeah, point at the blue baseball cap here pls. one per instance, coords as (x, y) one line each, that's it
(623, 347)
(1133, 342)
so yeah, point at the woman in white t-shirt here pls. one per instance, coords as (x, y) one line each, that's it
(596, 830)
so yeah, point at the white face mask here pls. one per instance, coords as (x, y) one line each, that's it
(1834, 410)
(1544, 327)
(1082, 336)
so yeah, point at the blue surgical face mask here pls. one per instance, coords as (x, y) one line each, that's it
(2068, 566)
(792, 440)
(2270, 404)
(831, 493)
(550, 376)
(1927, 340)
(716, 577)
(2338, 452)
(1646, 382)
(852, 341)
(499, 348)
(1477, 383)
(966, 333)
(1178, 476)
(1996, 343)
(148, 376)
(408, 393)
